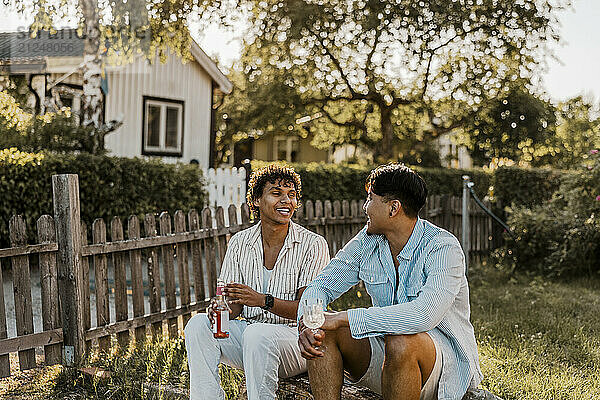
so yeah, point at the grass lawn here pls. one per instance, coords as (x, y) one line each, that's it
(537, 339)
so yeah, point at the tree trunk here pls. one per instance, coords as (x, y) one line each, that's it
(384, 151)
(92, 67)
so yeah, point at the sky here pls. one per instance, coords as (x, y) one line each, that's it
(575, 72)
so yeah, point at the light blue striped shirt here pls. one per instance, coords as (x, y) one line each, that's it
(432, 296)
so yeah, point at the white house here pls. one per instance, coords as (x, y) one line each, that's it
(166, 109)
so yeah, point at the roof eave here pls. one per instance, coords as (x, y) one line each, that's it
(211, 68)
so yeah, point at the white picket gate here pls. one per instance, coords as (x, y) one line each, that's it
(226, 186)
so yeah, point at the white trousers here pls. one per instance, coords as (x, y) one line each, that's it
(264, 351)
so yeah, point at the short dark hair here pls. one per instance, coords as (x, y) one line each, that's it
(398, 182)
(271, 173)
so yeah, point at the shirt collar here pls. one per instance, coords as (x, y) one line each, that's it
(293, 236)
(413, 241)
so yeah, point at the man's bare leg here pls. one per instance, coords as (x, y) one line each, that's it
(409, 360)
(342, 351)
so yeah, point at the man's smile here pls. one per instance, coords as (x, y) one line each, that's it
(285, 211)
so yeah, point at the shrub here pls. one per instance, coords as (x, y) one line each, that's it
(562, 237)
(108, 186)
(526, 187)
(321, 181)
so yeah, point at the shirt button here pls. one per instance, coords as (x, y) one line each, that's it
(372, 279)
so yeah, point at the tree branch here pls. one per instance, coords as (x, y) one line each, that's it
(335, 62)
(435, 49)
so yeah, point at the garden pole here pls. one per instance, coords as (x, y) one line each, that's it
(466, 234)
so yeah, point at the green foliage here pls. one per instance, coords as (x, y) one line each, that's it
(517, 125)
(322, 181)
(109, 186)
(526, 186)
(562, 237)
(338, 62)
(577, 132)
(57, 132)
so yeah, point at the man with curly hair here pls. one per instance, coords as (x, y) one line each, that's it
(266, 268)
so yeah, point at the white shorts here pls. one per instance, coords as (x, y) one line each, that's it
(372, 378)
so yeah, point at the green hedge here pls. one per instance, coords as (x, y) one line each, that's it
(108, 186)
(562, 236)
(322, 181)
(527, 187)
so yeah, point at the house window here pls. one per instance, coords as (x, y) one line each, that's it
(163, 127)
(286, 148)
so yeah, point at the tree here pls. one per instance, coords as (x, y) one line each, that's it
(120, 29)
(54, 131)
(377, 71)
(577, 133)
(518, 125)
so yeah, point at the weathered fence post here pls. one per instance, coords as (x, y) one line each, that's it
(65, 193)
(466, 234)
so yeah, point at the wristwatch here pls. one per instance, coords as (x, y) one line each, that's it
(269, 300)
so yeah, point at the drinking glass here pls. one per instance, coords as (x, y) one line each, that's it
(314, 315)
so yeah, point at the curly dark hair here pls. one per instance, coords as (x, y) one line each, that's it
(271, 173)
(398, 182)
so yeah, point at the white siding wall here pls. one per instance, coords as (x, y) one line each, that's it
(173, 80)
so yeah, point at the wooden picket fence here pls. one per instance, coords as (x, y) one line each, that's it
(179, 255)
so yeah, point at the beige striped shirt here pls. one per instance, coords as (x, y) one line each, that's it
(303, 255)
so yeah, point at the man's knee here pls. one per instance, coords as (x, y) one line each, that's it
(257, 336)
(198, 326)
(400, 349)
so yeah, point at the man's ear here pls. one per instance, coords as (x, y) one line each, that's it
(395, 208)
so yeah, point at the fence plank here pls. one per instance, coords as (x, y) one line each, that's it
(221, 239)
(196, 250)
(245, 214)
(354, 213)
(101, 280)
(154, 288)
(299, 213)
(320, 229)
(309, 210)
(209, 253)
(120, 274)
(329, 230)
(49, 286)
(169, 271)
(85, 267)
(338, 229)
(347, 228)
(146, 319)
(19, 343)
(4, 359)
(232, 212)
(182, 265)
(137, 280)
(65, 194)
(22, 290)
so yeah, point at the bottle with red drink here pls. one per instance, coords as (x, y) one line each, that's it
(221, 324)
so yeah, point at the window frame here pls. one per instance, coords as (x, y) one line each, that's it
(288, 143)
(161, 150)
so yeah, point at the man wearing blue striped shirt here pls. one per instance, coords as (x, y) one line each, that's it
(416, 341)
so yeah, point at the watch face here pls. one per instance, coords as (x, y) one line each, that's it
(268, 301)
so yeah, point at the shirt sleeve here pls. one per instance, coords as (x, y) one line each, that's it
(230, 270)
(444, 271)
(338, 276)
(314, 262)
